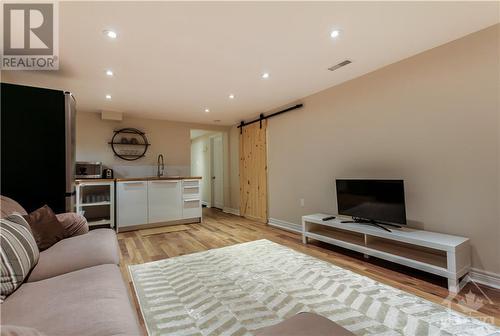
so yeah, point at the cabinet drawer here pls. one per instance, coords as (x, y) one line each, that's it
(190, 191)
(191, 183)
(191, 208)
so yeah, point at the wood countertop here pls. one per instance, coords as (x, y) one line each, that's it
(77, 181)
(155, 178)
(147, 178)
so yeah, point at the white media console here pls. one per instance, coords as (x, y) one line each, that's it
(445, 255)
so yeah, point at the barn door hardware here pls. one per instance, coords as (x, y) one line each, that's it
(263, 117)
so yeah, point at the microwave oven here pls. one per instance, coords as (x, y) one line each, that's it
(88, 170)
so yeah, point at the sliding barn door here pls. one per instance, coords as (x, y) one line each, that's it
(253, 172)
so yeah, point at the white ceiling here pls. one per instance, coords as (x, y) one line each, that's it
(173, 60)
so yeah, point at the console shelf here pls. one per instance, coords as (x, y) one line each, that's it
(441, 254)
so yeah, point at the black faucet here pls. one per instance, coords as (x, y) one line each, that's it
(161, 165)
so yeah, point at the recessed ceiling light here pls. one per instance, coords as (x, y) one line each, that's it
(335, 33)
(108, 96)
(265, 75)
(109, 73)
(207, 110)
(231, 96)
(110, 34)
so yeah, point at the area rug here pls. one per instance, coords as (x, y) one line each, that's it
(237, 289)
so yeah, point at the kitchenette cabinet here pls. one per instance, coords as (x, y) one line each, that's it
(157, 200)
(191, 199)
(95, 200)
(164, 201)
(131, 203)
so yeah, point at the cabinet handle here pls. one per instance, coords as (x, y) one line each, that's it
(164, 181)
(134, 182)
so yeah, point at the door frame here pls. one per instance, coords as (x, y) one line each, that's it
(211, 170)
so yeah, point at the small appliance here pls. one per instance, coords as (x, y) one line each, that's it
(88, 170)
(107, 173)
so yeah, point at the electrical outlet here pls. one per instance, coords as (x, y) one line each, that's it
(302, 202)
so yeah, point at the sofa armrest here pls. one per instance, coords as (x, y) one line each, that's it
(74, 224)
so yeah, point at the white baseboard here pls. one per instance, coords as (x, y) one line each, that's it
(285, 225)
(232, 211)
(485, 278)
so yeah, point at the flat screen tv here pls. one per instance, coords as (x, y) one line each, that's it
(372, 201)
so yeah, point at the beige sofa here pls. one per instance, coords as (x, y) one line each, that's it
(75, 289)
(305, 324)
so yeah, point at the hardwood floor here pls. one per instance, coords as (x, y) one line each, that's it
(219, 229)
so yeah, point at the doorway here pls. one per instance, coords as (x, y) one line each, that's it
(207, 161)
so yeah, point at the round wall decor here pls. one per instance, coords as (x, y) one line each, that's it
(129, 144)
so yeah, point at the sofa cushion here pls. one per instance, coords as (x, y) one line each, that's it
(18, 254)
(91, 301)
(45, 226)
(304, 324)
(97, 247)
(12, 330)
(8, 206)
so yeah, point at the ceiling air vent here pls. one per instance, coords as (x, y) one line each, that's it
(341, 64)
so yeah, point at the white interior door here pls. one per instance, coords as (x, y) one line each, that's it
(217, 171)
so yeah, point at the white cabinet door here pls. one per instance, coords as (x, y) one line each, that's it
(132, 203)
(164, 201)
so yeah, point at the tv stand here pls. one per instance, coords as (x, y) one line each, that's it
(441, 254)
(370, 222)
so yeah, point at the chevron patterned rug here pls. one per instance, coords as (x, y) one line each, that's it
(236, 289)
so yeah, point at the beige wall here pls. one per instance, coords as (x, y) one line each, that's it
(172, 139)
(432, 120)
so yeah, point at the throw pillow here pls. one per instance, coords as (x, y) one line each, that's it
(19, 219)
(45, 226)
(18, 253)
